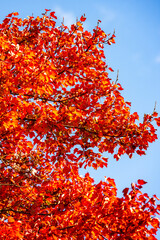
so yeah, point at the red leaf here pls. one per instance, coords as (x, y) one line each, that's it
(111, 182)
(141, 182)
(82, 19)
(52, 14)
(9, 156)
(9, 15)
(15, 13)
(110, 69)
(140, 152)
(158, 121)
(155, 114)
(120, 87)
(94, 165)
(125, 191)
(128, 103)
(112, 40)
(156, 197)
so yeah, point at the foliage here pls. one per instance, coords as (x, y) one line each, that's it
(60, 111)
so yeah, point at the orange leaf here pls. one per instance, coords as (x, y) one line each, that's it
(79, 24)
(10, 219)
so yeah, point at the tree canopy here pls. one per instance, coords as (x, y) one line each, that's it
(60, 111)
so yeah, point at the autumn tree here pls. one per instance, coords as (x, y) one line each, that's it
(60, 111)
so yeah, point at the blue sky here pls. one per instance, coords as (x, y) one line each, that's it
(137, 56)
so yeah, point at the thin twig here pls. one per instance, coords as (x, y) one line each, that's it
(117, 76)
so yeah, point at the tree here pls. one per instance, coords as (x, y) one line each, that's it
(60, 111)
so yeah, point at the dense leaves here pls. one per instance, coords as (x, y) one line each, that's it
(59, 111)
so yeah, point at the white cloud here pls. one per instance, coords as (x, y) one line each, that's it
(68, 17)
(157, 59)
